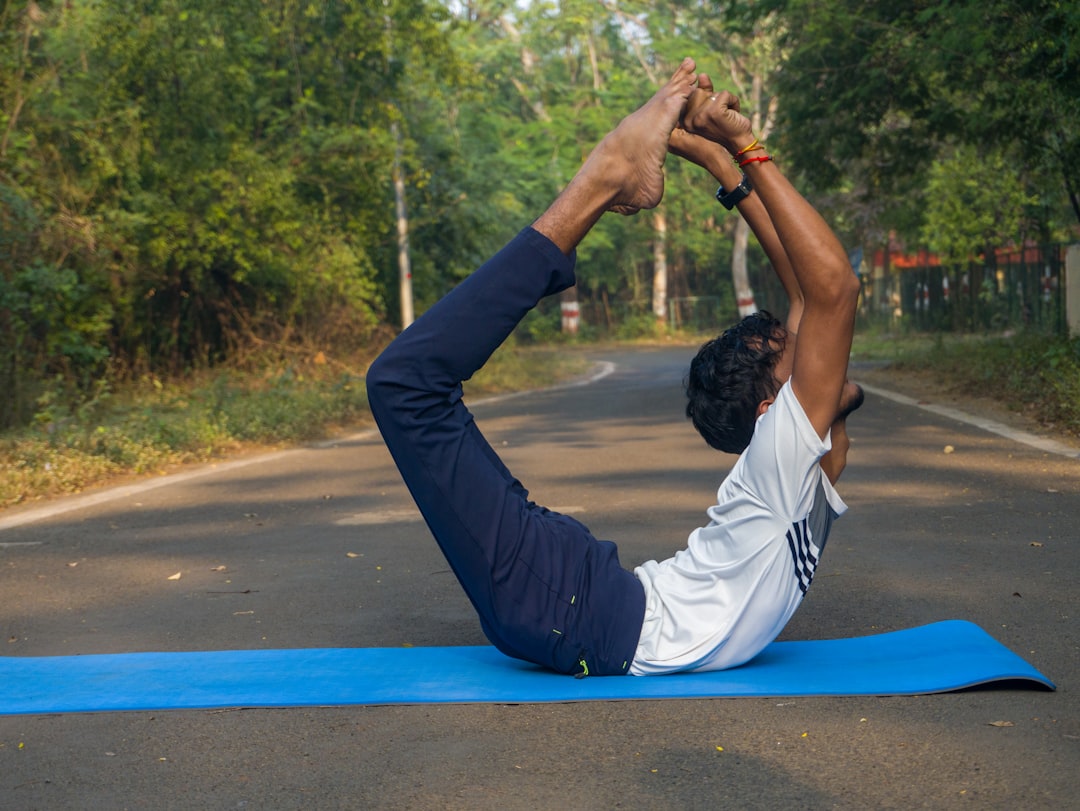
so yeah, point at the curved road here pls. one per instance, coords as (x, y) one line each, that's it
(321, 547)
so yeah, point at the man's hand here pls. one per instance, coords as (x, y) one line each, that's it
(715, 115)
(707, 154)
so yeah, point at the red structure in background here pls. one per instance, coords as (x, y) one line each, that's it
(899, 257)
(1016, 287)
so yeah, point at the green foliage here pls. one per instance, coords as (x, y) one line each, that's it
(148, 425)
(194, 180)
(639, 325)
(542, 326)
(874, 94)
(559, 78)
(1028, 371)
(202, 181)
(51, 320)
(187, 185)
(974, 202)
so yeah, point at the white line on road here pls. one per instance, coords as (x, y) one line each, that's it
(113, 493)
(1041, 443)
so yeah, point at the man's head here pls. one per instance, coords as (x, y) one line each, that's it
(730, 377)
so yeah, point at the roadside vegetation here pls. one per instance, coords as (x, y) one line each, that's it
(201, 204)
(150, 428)
(1035, 374)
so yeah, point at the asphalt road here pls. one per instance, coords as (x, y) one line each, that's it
(321, 547)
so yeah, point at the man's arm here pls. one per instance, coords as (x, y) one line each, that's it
(717, 161)
(830, 290)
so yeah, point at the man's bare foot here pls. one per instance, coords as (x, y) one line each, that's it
(630, 159)
(625, 172)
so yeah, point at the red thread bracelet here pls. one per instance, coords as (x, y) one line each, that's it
(757, 159)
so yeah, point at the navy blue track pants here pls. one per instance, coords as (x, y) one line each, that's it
(545, 589)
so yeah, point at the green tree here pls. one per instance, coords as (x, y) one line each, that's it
(874, 93)
(561, 76)
(975, 202)
(205, 178)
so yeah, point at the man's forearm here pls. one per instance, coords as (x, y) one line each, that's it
(717, 162)
(753, 210)
(817, 259)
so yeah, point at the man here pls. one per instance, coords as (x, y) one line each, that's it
(544, 588)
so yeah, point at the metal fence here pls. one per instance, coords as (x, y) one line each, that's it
(1023, 288)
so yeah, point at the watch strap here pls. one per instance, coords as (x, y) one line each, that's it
(728, 199)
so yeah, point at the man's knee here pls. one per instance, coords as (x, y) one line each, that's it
(383, 382)
(402, 385)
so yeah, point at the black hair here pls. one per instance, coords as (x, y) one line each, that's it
(730, 376)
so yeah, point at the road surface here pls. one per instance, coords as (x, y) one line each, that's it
(322, 547)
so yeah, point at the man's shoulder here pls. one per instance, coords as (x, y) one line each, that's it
(787, 417)
(785, 448)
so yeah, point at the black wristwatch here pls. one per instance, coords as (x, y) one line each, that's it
(728, 199)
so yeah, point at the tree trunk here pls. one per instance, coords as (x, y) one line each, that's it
(660, 270)
(740, 275)
(404, 265)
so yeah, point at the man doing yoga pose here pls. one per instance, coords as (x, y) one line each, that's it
(544, 588)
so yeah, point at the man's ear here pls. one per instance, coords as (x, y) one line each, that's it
(763, 406)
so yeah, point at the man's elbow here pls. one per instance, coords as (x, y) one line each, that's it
(852, 287)
(838, 290)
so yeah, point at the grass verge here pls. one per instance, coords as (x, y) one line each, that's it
(149, 427)
(1036, 374)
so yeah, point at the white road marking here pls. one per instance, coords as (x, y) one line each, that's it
(379, 517)
(111, 494)
(1041, 443)
(375, 517)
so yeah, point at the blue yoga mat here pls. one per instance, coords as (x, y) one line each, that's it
(929, 659)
